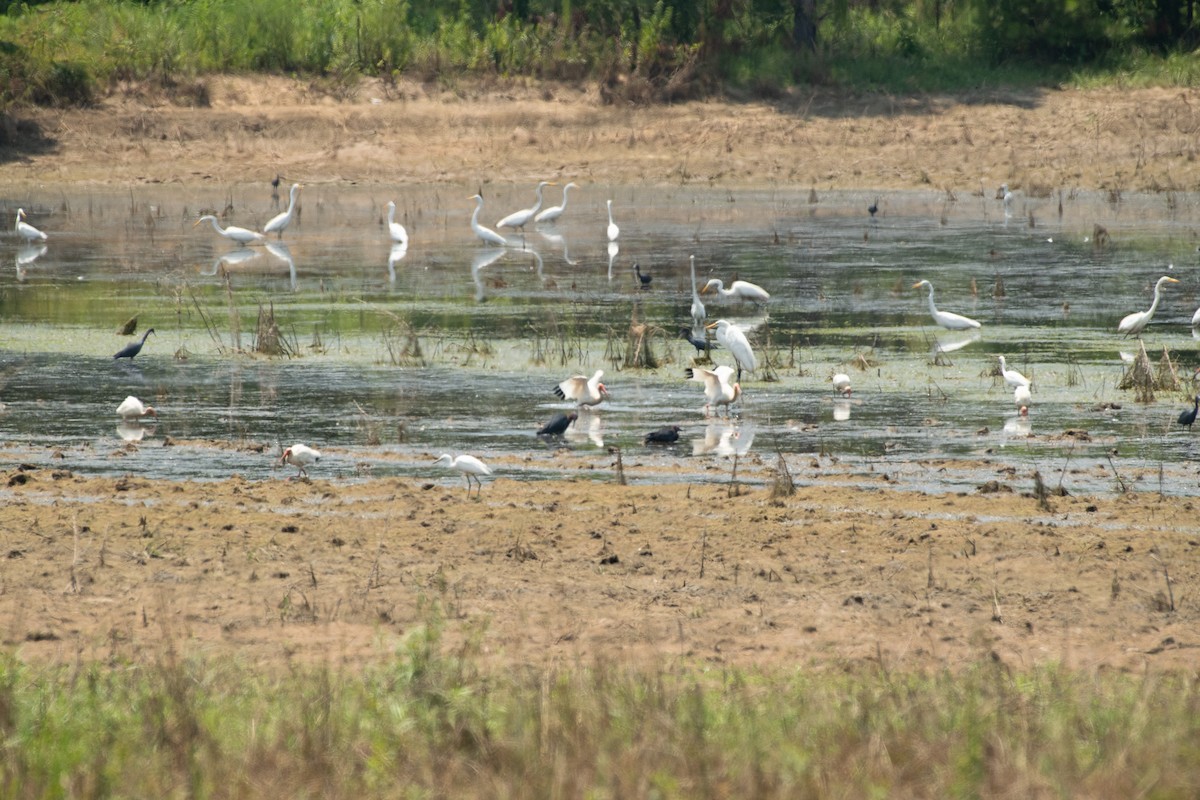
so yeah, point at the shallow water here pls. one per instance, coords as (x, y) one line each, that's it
(456, 346)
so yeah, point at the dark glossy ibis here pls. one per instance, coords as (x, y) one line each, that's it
(558, 424)
(645, 279)
(1188, 417)
(701, 344)
(667, 435)
(133, 348)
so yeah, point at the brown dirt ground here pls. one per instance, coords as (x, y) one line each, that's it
(274, 571)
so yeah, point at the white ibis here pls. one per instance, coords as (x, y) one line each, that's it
(487, 235)
(582, 389)
(1135, 323)
(279, 222)
(740, 290)
(1023, 399)
(132, 408)
(732, 339)
(1011, 376)
(301, 457)
(395, 229)
(718, 391)
(552, 213)
(233, 233)
(470, 467)
(841, 384)
(948, 320)
(27, 231)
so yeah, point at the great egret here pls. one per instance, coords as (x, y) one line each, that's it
(948, 320)
(1188, 417)
(300, 456)
(488, 235)
(1023, 398)
(666, 435)
(554, 212)
(1004, 195)
(133, 348)
(701, 344)
(1196, 318)
(732, 338)
(1133, 324)
(233, 233)
(519, 219)
(558, 424)
(718, 391)
(279, 222)
(582, 389)
(27, 231)
(1011, 376)
(841, 384)
(132, 408)
(613, 230)
(469, 466)
(741, 290)
(698, 313)
(399, 235)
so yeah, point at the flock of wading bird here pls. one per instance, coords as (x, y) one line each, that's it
(722, 384)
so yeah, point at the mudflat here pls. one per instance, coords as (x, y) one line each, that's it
(582, 570)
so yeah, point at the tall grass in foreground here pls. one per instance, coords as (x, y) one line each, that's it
(427, 724)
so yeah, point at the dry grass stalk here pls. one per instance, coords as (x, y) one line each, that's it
(1140, 376)
(782, 484)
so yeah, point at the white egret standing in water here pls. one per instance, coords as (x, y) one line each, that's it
(279, 222)
(488, 235)
(1133, 324)
(233, 233)
(947, 319)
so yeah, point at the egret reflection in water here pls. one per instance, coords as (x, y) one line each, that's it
(479, 262)
(133, 431)
(841, 410)
(28, 254)
(589, 427)
(284, 254)
(613, 249)
(395, 256)
(725, 438)
(559, 241)
(234, 258)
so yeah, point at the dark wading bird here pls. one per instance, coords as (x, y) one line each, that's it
(667, 435)
(558, 424)
(133, 348)
(873, 209)
(1188, 417)
(701, 344)
(645, 279)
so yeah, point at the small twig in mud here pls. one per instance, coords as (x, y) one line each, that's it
(73, 588)
(312, 574)
(704, 553)
(1120, 483)
(929, 576)
(619, 466)
(782, 485)
(734, 489)
(996, 615)
(1167, 578)
(1039, 491)
(1062, 475)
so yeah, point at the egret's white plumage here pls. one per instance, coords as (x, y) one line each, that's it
(300, 456)
(1011, 376)
(469, 466)
(841, 384)
(718, 391)
(233, 233)
(519, 219)
(742, 290)
(698, 312)
(27, 231)
(1196, 318)
(613, 230)
(1006, 196)
(1023, 399)
(279, 222)
(582, 389)
(948, 320)
(132, 408)
(732, 339)
(554, 212)
(1133, 324)
(488, 235)
(395, 229)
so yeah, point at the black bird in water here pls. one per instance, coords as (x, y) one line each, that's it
(702, 345)
(558, 424)
(667, 435)
(645, 279)
(873, 209)
(133, 348)
(1188, 417)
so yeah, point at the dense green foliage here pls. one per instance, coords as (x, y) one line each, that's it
(64, 52)
(428, 722)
